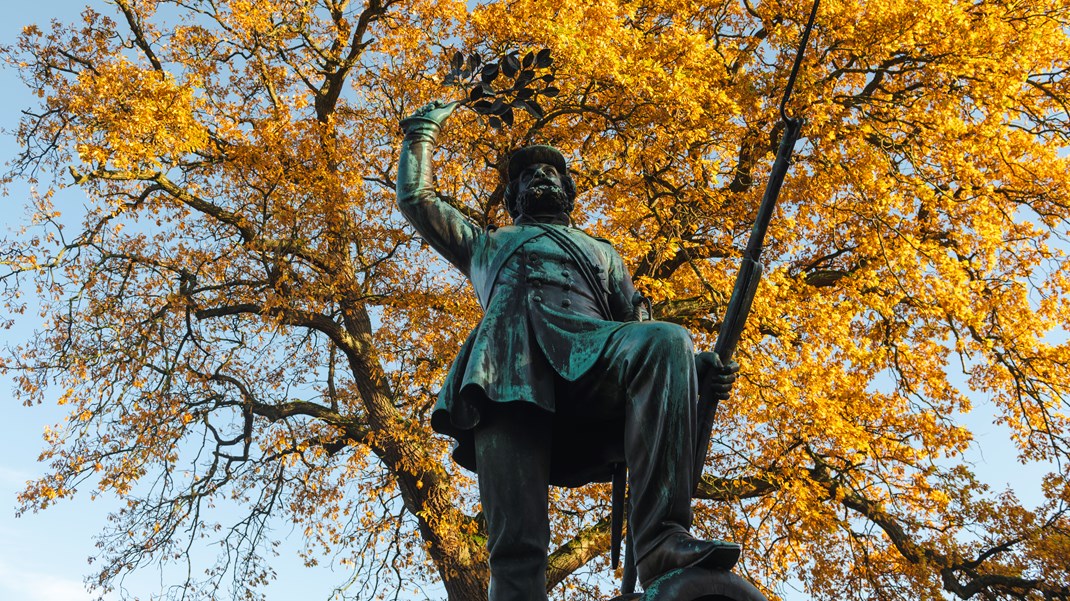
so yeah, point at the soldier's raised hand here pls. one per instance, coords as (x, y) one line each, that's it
(432, 114)
(715, 375)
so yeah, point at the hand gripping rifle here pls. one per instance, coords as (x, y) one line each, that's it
(750, 272)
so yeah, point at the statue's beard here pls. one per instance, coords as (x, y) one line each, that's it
(544, 199)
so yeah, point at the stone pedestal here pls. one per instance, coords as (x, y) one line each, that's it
(697, 584)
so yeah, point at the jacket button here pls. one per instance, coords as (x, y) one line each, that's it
(566, 303)
(537, 298)
(534, 258)
(566, 274)
(567, 286)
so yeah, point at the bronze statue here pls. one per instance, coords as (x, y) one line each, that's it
(561, 379)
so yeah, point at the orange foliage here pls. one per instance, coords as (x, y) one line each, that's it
(241, 314)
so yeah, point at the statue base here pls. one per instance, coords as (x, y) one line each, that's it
(697, 584)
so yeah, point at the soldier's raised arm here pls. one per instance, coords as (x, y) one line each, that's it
(443, 226)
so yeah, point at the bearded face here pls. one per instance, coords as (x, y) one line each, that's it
(543, 199)
(540, 192)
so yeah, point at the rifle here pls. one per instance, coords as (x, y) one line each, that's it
(739, 305)
(750, 267)
(750, 272)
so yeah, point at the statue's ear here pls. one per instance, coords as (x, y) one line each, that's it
(509, 198)
(569, 186)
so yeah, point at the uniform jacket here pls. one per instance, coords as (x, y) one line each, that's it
(541, 317)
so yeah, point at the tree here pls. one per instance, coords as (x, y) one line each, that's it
(241, 317)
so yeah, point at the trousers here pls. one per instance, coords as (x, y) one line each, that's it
(646, 374)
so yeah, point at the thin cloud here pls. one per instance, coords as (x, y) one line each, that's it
(21, 585)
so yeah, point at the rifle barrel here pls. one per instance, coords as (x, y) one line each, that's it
(750, 272)
(792, 129)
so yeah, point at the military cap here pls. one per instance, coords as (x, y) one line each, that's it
(538, 153)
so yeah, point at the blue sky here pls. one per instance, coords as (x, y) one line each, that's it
(43, 557)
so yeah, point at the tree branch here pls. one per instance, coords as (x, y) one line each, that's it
(569, 557)
(139, 34)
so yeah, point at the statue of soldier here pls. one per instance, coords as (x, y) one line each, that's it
(560, 380)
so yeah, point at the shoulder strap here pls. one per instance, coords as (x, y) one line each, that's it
(585, 266)
(503, 254)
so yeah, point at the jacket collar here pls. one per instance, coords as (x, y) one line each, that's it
(558, 219)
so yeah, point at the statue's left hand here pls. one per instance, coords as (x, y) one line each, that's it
(716, 375)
